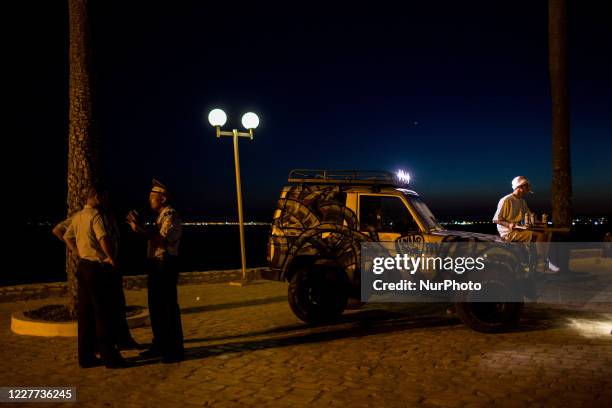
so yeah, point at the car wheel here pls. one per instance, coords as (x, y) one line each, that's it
(487, 316)
(318, 294)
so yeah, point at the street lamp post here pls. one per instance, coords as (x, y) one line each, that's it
(250, 121)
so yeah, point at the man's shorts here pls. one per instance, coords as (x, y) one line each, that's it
(519, 236)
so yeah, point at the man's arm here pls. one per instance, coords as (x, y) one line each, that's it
(509, 225)
(155, 237)
(105, 245)
(101, 234)
(170, 228)
(71, 244)
(502, 211)
(506, 224)
(70, 239)
(60, 229)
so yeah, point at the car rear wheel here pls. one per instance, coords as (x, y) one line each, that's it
(318, 294)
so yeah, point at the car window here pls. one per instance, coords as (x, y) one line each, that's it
(425, 214)
(385, 214)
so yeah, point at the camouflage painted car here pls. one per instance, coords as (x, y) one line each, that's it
(320, 221)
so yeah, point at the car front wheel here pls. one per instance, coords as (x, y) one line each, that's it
(481, 313)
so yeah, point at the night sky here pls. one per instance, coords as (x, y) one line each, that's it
(457, 93)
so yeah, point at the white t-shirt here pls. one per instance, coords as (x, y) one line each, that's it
(510, 209)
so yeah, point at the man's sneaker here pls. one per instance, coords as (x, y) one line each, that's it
(552, 267)
(547, 267)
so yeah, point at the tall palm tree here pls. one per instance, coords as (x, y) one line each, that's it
(557, 66)
(82, 142)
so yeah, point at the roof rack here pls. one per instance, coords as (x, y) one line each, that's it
(353, 177)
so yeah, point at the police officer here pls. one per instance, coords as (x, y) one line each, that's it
(89, 237)
(163, 242)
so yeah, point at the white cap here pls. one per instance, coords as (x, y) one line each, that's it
(519, 181)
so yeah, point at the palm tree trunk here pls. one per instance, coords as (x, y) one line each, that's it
(82, 143)
(557, 65)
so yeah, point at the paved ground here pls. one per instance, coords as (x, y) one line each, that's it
(245, 348)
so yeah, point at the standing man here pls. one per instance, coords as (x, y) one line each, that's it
(121, 331)
(88, 237)
(162, 253)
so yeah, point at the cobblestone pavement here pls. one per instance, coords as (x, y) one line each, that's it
(245, 348)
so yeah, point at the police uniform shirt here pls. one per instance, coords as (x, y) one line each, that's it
(87, 228)
(169, 226)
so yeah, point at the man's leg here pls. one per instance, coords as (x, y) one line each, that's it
(85, 317)
(154, 286)
(539, 239)
(123, 337)
(104, 315)
(173, 331)
(560, 256)
(526, 237)
(550, 256)
(519, 236)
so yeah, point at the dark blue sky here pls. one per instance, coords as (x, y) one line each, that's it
(455, 92)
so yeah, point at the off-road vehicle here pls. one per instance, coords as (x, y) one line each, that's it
(320, 221)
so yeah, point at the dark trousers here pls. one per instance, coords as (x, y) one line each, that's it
(163, 306)
(121, 330)
(95, 312)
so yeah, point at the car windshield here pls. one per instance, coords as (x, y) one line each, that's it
(424, 213)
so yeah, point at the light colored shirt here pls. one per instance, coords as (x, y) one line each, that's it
(110, 226)
(87, 229)
(169, 226)
(63, 226)
(510, 209)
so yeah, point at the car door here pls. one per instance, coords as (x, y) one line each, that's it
(386, 218)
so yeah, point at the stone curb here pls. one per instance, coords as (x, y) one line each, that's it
(136, 282)
(20, 324)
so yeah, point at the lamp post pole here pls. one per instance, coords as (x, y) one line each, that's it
(250, 121)
(239, 196)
